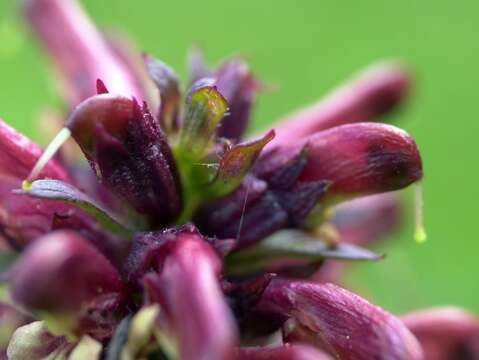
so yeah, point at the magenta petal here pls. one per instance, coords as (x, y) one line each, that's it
(23, 219)
(338, 321)
(376, 91)
(63, 275)
(445, 333)
(188, 286)
(79, 50)
(18, 155)
(284, 352)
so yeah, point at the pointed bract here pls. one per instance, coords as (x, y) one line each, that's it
(289, 251)
(237, 161)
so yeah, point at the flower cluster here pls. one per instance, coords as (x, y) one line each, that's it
(178, 238)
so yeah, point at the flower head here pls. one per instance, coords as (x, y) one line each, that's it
(182, 238)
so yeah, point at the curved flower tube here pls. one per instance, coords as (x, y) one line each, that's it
(338, 321)
(373, 93)
(79, 51)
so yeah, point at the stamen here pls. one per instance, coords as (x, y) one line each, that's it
(420, 233)
(49, 152)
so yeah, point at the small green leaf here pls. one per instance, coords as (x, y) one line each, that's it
(236, 163)
(293, 244)
(205, 107)
(59, 190)
(117, 342)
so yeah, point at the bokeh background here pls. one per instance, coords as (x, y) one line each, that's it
(306, 48)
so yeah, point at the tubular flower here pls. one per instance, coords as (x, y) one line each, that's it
(183, 239)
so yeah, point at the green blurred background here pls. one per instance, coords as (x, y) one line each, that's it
(306, 48)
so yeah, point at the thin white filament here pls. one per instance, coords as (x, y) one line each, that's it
(240, 225)
(49, 152)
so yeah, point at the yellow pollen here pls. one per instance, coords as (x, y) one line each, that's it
(420, 233)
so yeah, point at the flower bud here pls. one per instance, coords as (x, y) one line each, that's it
(339, 322)
(129, 153)
(445, 333)
(188, 288)
(362, 159)
(373, 93)
(64, 279)
(358, 159)
(78, 49)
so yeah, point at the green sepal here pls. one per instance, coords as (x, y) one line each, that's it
(292, 244)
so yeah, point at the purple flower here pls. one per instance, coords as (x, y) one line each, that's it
(182, 239)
